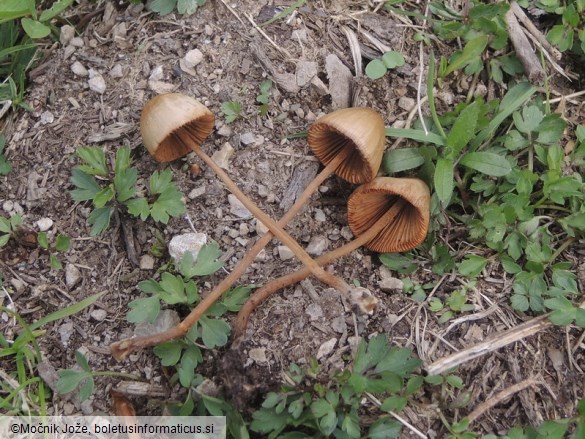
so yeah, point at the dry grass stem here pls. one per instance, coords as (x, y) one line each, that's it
(520, 15)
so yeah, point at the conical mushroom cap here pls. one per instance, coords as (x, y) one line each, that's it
(407, 229)
(167, 115)
(359, 128)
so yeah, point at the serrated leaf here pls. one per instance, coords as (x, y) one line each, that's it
(169, 203)
(234, 299)
(87, 186)
(169, 353)
(43, 240)
(487, 163)
(471, 52)
(160, 181)
(376, 69)
(104, 196)
(144, 309)
(472, 265)
(34, 29)
(122, 161)
(231, 110)
(187, 7)
(207, 260)
(124, 182)
(403, 159)
(214, 332)
(100, 220)
(138, 207)
(463, 130)
(95, 161)
(399, 263)
(173, 289)
(443, 180)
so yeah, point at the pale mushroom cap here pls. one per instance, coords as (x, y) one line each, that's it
(166, 115)
(408, 228)
(359, 128)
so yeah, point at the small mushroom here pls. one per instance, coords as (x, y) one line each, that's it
(388, 215)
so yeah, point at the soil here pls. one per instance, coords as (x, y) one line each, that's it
(138, 55)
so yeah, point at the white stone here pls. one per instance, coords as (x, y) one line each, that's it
(258, 355)
(98, 314)
(191, 242)
(7, 206)
(65, 332)
(338, 324)
(166, 319)
(285, 253)
(406, 103)
(225, 131)
(161, 87)
(17, 284)
(314, 311)
(72, 275)
(156, 74)
(196, 192)
(326, 348)
(261, 229)
(79, 69)
(222, 156)
(237, 208)
(305, 71)
(67, 34)
(116, 71)
(190, 61)
(76, 42)
(390, 284)
(320, 216)
(244, 229)
(47, 117)
(247, 138)
(346, 233)
(317, 245)
(146, 262)
(97, 84)
(44, 224)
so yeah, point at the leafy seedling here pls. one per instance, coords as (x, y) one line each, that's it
(61, 245)
(183, 7)
(379, 66)
(264, 96)
(231, 110)
(8, 228)
(5, 167)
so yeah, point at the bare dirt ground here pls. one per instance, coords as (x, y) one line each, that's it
(137, 54)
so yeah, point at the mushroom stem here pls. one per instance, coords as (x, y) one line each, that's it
(275, 285)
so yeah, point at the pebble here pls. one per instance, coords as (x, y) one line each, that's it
(406, 103)
(97, 84)
(262, 256)
(244, 229)
(72, 275)
(326, 348)
(65, 332)
(44, 224)
(79, 69)
(391, 284)
(67, 34)
(77, 42)
(237, 208)
(338, 324)
(87, 407)
(166, 319)
(116, 71)
(225, 130)
(8, 206)
(68, 409)
(317, 245)
(18, 208)
(146, 262)
(285, 253)
(258, 355)
(305, 71)
(247, 138)
(156, 74)
(98, 314)
(17, 284)
(47, 118)
(233, 233)
(196, 192)
(190, 61)
(346, 233)
(222, 156)
(299, 35)
(191, 242)
(320, 216)
(314, 311)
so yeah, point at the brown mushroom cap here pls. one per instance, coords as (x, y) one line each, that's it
(164, 116)
(359, 128)
(408, 228)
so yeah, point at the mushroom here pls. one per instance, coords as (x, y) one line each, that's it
(359, 152)
(386, 215)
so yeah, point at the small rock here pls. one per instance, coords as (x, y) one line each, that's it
(191, 242)
(225, 131)
(161, 87)
(146, 262)
(97, 84)
(18, 285)
(79, 69)
(391, 284)
(72, 275)
(314, 311)
(306, 70)
(338, 324)
(285, 253)
(67, 34)
(196, 192)
(326, 348)
(346, 233)
(406, 103)
(44, 224)
(68, 51)
(18, 208)
(98, 315)
(233, 233)
(77, 42)
(319, 86)
(320, 216)
(190, 61)
(68, 409)
(116, 71)
(166, 319)
(299, 35)
(237, 208)
(247, 138)
(87, 407)
(222, 156)
(156, 74)
(340, 80)
(47, 118)
(261, 229)
(8, 206)
(262, 256)
(65, 332)
(244, 229)
(317, 245)
(258, 355)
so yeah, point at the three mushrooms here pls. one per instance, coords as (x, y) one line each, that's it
(385, 214)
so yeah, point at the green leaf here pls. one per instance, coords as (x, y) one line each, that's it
(95, 161)
(169, 203)
(100, 220)
(471, 52)
(162, 7)
(169, 353)
(400, 263)
(375, 69)
(207, 260)
(487, 163)
(455, 381)
(189, 361)
(62, 243)
(150, 286)
(124, 182)
(443, 179)
(403, 159)
(55, 263)
(231, 110)
(519, 302)
(550, 130)
(472, 265)
(66, 312)
(235, 298)
(87, 186)
(43, 240)
(394, 403)
(56, 8)
(384, 428)
(104, 196)
(122, 161)
(82, 361)
(393, 59)
(173, 289)
(144, 309)
(4, 240)
(138, 207)
(214, 332)
(463, 130)
(530, 120)
(86, 389)
(160, 181)
(35, 29)
(399, 361)
(187, 7)
(418, 135)
(69, 380)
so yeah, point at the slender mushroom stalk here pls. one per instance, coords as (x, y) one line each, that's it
(387, 215)
(359, 151)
